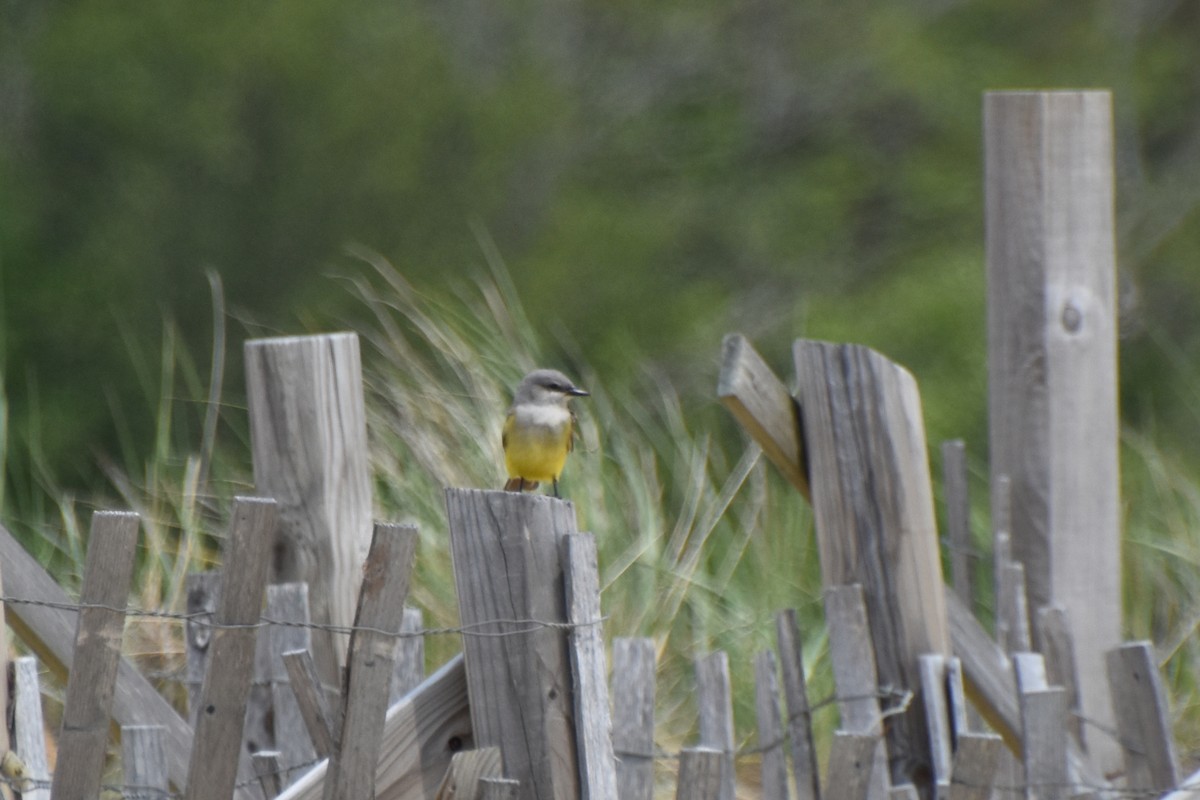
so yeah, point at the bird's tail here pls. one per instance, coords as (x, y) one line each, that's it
(519, 485)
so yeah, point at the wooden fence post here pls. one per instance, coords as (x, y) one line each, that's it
(714, 701)
(633, 717)
(799, 725)
(351, 771)
(1052, 361)
(1143, 719)
(217, 745)
(873, 502)
(288, 602)
(505, 552)
(28, 726)
(83, 742)
(770, 727)
(701, 774)
(309, 437)
(958, 519)
(145, 762)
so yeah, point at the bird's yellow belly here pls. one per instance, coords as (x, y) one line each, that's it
(536, 455)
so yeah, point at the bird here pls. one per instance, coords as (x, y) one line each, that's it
(538, 430)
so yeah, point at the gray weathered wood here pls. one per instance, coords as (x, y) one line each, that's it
(904, 791)
(873, 503)
(851, 653)
(351, 772)
(937, 718)
(519, 672)
(6, 745)
(799, 723)
(701, 774)
(83, 741)
(1052, 360)
(958, 519)
(1054, 640)
(764, 407)
(203, 589)
(1044, 714)
(1029, 669)
(144, 760)
(1013, 609)
(212, 774)
(288, 603)
(310, 700)
(268, 768)
(852, 760)
(1143, 718)
(309, 437)
(499, 789)
(714, 702)
(1001, 501)
(593, 720)
(420, 736)
(409, 668)
(987, 673)
(466, 771)
(957, 709)
(975, 763)
(29, 739)
(770, 727)
(48, 629)
(633, 717)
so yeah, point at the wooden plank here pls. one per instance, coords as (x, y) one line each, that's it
(937, 718)
(408, 669)
(957, 709)
(499, 789)
(1054, 640)
(29, 728)
(1143, 718)
(288, 603)
(144, 760)
(217, 743)
(519, 672)
(351, 771)
(203, 589)
(308, 434)
(852, 760)
(268, 768)
(633, 717)
(1013, 609)
(1052, 360)
(975, 763)
(799, 725)
(958, 519)
(420, 736)
(701, 774)
(83, 740)
(593, 721)
(310, 699)
(1044, 714)
(873, 504)
(714, 702)
(467, 770)
(770, 727)
(904, 791)
(47, 627)
(764, 407)
(987, 673)
(852, 655)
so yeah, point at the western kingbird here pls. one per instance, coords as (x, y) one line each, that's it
(538, 430)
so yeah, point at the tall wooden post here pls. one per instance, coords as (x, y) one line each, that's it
(873, 502)
(1052, 360)
(309, 437)
(509, 577)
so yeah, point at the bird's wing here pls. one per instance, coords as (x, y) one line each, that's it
(508, 423)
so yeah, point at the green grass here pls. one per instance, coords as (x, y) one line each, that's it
(700, 542)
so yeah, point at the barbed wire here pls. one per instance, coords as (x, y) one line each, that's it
(204, 619)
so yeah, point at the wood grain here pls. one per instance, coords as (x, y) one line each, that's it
(505, 552)
(351, 770)
(29, 732)
(308, 434)
(212, 774)
(633, 717)
(770, 727)
(714, 702)
(144, 760)
(795, 689)
(1052, 360)
(83, 740)
(701, 774)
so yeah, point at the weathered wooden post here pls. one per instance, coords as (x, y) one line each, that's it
(509, 578)
(1052, 361)
(309, 437)
(864, 436)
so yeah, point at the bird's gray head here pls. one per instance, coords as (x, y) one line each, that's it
(546, 386)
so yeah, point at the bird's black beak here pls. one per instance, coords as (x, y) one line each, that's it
(575, 391)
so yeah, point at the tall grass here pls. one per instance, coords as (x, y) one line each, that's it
(700, 542)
